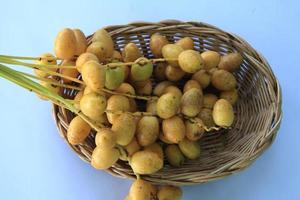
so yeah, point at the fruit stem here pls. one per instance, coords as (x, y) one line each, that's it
(23, 81)
(130, 95)
(26, 57)
(35, 66)
(155, 60)
(118, 112)
(207, 129)
(52, 82)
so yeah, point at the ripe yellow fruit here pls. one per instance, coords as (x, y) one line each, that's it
(157, 42)
(194, 131)
(83, 58)
(151, 107)
(106, 42)
(132, 147)
(171, 52)
(174, 73)
(65, 44)
(202, 77)
(164, 139)
(147, 130)
(169, 193)
(124, 127)
(211, 59)
(160, 87)
(46, 59)
(125, 88)
(191, 102)
(93, 74)
(105, 138)
(174, 155)
(173, 89)
(155, 148)
(93, 105)
(102, 35)
(190, 61)
(104, 158)
(231, 96)
(131, 52)
(77, 99)
(81, 42)
(191, 84)
(87, 90)
(69, 72)
(223, 80)
(116, 103)
(142, 190)
(231, 62)
(167, 105)
(78, 130)
(146, 162)
(101, 49)
(173, 129)
(186, 43)
(117, 56)
(223, 113)
(190, 149)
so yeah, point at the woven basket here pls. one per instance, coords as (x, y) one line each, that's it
(258, 110)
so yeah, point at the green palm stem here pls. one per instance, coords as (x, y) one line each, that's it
(15, 77)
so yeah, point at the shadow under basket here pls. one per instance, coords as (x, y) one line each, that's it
(257, 112)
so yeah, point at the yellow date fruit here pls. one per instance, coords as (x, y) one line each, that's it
(174, 155)
(190, 61)
(104, 158)
(105, 138)
(223, 80)
(78, 130)
(190, 149)
(223, 113)
(157, 42)
(186, 43)
(169, 193)
(167, 105)
(124, 127)
(65, 44)
(231, 62)
(173, 129)
(147, 130)
(146, 162)
(171, 53)
(211, 59)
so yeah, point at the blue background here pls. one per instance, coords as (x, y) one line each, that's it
(35, 162)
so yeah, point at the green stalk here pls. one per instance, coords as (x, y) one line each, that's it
(15, 77)
(35, 66)
(7, 60)
(21, 57)
(26, 57)
(52, 82)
